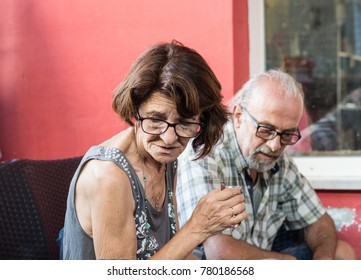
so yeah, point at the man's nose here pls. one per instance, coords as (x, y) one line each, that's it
(275, 144)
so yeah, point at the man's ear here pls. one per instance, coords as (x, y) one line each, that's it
(237, 115)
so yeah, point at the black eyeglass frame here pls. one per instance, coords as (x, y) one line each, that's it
(174, 125)
(275, 132)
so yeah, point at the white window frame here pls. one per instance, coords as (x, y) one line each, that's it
(327, 173)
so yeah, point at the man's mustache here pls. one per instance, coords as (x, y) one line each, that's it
(267, 151)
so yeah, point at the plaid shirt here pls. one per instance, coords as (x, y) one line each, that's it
(288, 197)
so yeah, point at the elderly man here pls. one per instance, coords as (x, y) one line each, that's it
(265, 115)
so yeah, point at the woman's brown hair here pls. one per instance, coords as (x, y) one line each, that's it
(181, 74)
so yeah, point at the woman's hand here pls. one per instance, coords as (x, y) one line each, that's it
(218, 210)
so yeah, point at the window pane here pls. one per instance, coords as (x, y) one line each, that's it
(319, 43)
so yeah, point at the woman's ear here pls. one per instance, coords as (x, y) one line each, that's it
(237, 115)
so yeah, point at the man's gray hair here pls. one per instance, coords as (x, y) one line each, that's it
(287, 84)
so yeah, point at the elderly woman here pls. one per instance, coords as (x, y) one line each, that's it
(121, 202)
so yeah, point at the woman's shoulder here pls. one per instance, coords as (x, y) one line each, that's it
(102, 174)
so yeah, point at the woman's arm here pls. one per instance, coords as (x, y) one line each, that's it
(105, 205)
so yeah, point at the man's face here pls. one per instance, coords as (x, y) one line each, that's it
(270, 108)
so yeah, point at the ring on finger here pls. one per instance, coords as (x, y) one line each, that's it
(232, 213)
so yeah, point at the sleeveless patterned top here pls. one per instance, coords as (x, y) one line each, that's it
(153, 229)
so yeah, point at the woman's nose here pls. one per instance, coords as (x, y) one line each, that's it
(169, 136)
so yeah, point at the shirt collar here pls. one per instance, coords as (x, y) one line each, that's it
(231, 138)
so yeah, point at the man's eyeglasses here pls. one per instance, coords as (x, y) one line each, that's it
(267, 133)
(157, 127)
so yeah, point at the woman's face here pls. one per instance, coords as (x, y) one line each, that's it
(167, 146)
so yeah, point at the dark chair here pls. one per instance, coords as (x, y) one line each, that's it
(33, 197)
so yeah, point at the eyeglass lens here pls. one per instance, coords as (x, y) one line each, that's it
(157, 127)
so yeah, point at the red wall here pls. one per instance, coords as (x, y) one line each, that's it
(61, 60)
(345, 209)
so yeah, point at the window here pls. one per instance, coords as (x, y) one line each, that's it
(319, 43)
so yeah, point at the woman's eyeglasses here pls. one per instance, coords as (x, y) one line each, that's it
(157, 127)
